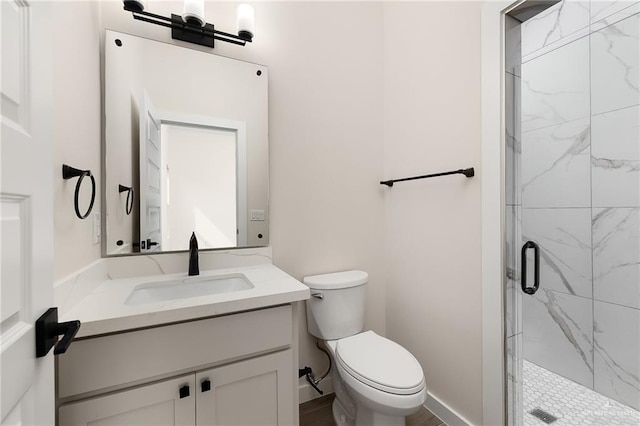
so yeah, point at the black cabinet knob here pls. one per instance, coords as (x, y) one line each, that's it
(184, 391)
(205, 386)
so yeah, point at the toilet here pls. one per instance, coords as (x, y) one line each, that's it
(376, 381)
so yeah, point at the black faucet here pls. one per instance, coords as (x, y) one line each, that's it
(193, 255)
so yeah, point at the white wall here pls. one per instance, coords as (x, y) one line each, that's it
(325, 127)
(76, 76)
(432, 124)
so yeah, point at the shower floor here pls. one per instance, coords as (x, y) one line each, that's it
(571, 403)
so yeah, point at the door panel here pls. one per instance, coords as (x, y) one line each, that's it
(15, 54)
(253, 392)
(150, 163)
(157, 404)
(26, 207)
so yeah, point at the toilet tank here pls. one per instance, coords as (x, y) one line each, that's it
(336, 307)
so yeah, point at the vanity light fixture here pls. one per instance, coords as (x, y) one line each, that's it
(191, 26)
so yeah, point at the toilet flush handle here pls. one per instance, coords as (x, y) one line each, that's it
(318, 295)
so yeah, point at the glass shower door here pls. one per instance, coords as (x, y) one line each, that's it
(573, 205)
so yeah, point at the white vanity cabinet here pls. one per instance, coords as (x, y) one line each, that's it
(239, 370)
(154, 404)
(252, 392)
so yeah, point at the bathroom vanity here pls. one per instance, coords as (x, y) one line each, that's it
(157, 346)
(218, 359)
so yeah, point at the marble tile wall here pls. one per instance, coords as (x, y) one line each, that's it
(555, 86)
(615, 158)
(616, 256)
(608, 12)
(555, 26)
(616, 361)
(556, 165)
(558, 334)
(564, 236)
(575, 190)
(615, 61)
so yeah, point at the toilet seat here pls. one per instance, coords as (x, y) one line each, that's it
(380, 363)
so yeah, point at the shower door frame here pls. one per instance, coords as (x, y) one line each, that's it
(493, 148)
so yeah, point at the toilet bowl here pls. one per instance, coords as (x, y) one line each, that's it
(385, 381)
(376, 381)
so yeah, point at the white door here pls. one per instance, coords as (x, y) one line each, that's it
(202, 160)
(150, 177)
(26, 211)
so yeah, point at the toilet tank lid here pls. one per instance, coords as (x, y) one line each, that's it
(336, 280)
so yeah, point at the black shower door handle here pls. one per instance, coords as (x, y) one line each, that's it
(536, 267)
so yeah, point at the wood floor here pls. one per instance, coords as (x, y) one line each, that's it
(317, 412)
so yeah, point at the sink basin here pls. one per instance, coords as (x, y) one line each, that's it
(187, 287)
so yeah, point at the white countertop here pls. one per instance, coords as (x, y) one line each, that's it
(104, 309)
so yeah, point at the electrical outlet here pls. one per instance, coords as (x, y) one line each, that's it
(96, 228)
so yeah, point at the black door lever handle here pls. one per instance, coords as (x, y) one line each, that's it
(68, 330)
(48, 329)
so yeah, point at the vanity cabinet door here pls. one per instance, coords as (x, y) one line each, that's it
(160, 404)
(258, 391)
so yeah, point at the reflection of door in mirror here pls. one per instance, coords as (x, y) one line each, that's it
(192, 179)
(150, 164)
(198, 160)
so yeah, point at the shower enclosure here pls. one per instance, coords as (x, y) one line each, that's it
(573, 213)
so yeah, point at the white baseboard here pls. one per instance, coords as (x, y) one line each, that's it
(307, 393)
(444, 412)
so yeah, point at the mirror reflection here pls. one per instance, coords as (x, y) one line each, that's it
(190, 142)
(198, 160)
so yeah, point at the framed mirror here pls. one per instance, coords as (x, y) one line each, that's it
(186, 148)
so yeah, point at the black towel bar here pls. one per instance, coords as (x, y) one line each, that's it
(467, 172)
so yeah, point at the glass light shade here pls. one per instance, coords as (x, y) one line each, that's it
(246, 19)
(193, 12)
